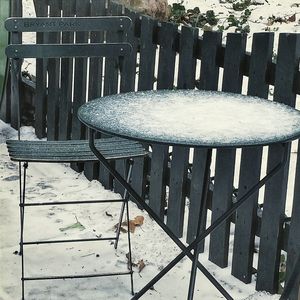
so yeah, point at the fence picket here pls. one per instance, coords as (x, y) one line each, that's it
(147, 54)
(166, 68)
(65, 103)
(145, 82)
(97, 8)
(41, 66)
(111, 80)
(157, 192)
(294, 234)
(167, 54)
(187, 60)
(80, 85)
(53, 80)
(176, 201)
(127, 84)
(112, 64)
(209, 72)
(245, 226)
(180, 155)
(225, 159)
(209, 77)
(275, 190)
(80, 73)
(11, 107)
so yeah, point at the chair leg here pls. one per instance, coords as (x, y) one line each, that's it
(125, 197)
(125, 203)
(129, 248)
(22, 202)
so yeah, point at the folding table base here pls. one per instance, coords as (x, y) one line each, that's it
(186, 251)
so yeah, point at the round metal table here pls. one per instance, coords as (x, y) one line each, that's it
(196, 119)
(193, 118)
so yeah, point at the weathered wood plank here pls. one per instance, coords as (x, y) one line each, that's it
(112, 64)
(53, 79)
(276, 188)
(294, 232)
(129, 64)
(180, 155)
(80, 74)
(225, 160)
(157, 191)
(145, 82)
(91, 169)
(96, 64)
(147, 54)
(41, 69)
(80, 85)
(221, 202)
(4, 63)
(5, 111)
(245, 227)
(13, 105)
(167, 54)
(198, 204)
(209, 52)
(111, 81)
(15, 86)
(65, 103)
(187, 60)
(176, 202)
(209, 77)
(127, 82)
(166, 68)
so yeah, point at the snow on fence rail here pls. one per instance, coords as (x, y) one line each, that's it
(163, 57)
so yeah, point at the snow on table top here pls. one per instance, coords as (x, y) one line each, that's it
(193, 118)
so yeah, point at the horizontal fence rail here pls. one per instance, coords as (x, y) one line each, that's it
(164, 56)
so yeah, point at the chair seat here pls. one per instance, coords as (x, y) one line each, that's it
(72, 150)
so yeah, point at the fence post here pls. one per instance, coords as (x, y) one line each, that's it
(209, 78)
(180, 155)
(294, 234)
(275, 190)
(225, 159)
(246, 216)
(166, 67)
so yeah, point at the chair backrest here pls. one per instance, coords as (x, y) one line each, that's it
(67, 24)
(69, 62)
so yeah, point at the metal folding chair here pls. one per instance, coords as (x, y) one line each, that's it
(24, 151)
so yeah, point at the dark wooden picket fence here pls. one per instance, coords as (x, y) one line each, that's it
(165, 57)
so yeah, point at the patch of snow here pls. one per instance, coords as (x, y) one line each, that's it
(258, 21)
(49, 182)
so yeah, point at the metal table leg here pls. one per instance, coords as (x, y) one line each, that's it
(186, 251)
(202, 208)
(142, 204)
(219, 221)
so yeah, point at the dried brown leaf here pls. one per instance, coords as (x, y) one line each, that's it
(138, 220)
(141, 265)
(292, 18)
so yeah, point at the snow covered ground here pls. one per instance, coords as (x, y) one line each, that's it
(259, 18)
(50, 183)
